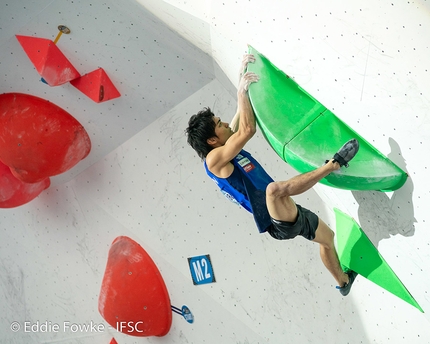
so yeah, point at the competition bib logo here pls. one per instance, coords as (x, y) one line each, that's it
(230, 197)
(245, 163)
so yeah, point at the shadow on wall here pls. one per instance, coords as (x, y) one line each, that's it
(381, 216)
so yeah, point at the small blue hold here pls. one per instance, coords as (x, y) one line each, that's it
(186, 313)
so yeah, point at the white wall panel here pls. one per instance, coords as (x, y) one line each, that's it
(367, 61)
(150, 65)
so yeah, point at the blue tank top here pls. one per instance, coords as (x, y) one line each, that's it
(246, 186)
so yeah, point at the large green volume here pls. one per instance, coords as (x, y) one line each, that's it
(304, 133)
(356, 252)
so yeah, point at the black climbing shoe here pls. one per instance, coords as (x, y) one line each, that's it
(347, 287)
(346, 152)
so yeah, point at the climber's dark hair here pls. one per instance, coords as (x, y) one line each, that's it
(201, 127)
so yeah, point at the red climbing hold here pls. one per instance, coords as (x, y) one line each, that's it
(14, 192)
(48, 59)
(133, 297)
(39, 139)
(96, 85)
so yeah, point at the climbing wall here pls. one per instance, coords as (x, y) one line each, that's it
(366, 62)
(124, 39)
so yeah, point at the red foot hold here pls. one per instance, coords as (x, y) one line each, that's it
(38, 138)
(14, 192)
(133, 297)
(97, 86)
(48, 59)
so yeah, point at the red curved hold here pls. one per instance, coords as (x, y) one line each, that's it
(14, 192)
(38, 138)
(133, 297)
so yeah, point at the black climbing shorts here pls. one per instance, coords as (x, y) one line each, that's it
(305, 225)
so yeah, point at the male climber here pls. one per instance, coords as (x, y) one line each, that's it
(242, 179)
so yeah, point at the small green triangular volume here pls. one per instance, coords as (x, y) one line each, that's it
(356, 252)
